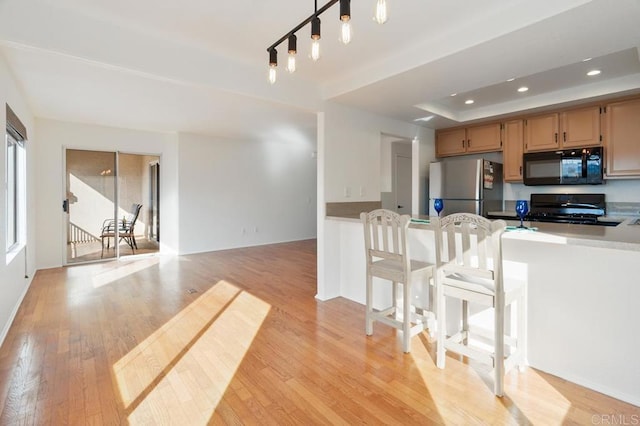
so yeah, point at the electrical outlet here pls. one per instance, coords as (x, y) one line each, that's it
(347, 191)
(362, 191)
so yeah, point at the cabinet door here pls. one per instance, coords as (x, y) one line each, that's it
(450, 142)
(622, 138)
(485, 138)
(541, 133)
(513, 137)
(581, 127)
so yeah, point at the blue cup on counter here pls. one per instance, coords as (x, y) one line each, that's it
(438, 205)
(522, 208)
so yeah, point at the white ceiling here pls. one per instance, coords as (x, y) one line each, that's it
(201, 66)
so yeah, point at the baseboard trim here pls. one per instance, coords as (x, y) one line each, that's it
(14, 312)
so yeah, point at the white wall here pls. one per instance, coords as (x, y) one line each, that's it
(244, 193)
(349, 145)
(352, 151)
(13, 275)
(56, 135)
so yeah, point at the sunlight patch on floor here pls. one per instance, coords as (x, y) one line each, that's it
(536, 401)
(179, 374)
(542, 403)
(122, 270)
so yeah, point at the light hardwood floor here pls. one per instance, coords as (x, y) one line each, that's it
(236, 337)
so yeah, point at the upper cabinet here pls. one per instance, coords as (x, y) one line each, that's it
(622, 138)
(451, 142)
(581, 127)
(575, 128)
(482, 138)
(512, 136)
(541, 133)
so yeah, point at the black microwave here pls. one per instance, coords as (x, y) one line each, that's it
(583, 166)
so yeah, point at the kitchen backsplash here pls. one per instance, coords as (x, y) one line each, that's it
(623, 209)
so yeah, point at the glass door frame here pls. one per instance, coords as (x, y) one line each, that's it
(67, 259)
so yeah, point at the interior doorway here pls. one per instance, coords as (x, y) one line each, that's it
(402, 183)
(396, 174)
(112, 205)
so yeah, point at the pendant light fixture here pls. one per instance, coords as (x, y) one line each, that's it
(345, 33)
(293, 49)
(345, 17)
(273, 63)
(315, 36)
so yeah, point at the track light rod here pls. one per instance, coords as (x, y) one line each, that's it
(318, 12)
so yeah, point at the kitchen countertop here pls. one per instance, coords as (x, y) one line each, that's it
(625, 236)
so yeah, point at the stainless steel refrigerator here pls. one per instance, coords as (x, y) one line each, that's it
(466, 185)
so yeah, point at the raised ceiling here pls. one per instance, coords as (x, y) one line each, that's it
(201, 66)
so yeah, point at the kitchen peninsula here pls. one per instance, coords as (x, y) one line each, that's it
(583, 293)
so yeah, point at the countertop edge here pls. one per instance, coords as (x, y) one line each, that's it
(628, 237)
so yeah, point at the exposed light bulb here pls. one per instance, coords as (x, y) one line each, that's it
(291, 63)
(345, 32)
(293, 49)
(381, 12)
(315, 50)
(273, 63)
(345, 17)
(272, 75)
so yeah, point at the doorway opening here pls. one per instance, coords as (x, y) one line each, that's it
(112, 205)
(396, 186)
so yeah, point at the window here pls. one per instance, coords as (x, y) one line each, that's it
(12, 192)
(15, 188)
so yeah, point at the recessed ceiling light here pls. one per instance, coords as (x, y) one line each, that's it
(511, 79)
(593, 72)
(453, 94)
(468, 101)
(586, 59)
(523, 89)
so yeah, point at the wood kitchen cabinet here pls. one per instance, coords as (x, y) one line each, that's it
(581, 127)
(576, 128)
(541, 133)
(482, 138)
(451, 142)
(513, 148)
(622, 138)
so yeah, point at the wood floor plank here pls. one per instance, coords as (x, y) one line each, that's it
(237, 337)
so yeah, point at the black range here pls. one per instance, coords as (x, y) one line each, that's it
(583, 209)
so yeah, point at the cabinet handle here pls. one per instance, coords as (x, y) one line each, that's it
(556, 136)
(462, 143)
(564, 136)
(520, 170)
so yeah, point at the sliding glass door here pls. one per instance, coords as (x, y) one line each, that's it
(90, 202)
(108, 205)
